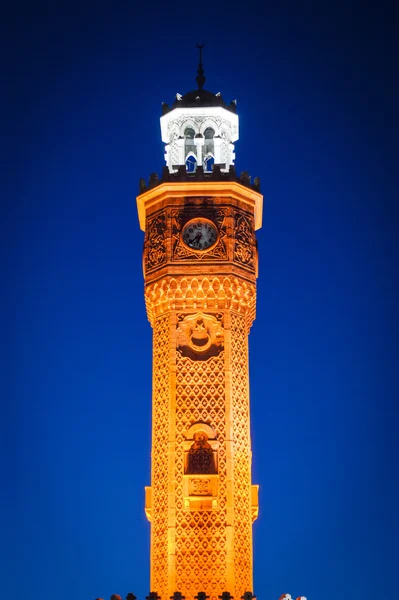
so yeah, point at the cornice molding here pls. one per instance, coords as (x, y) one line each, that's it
(221, 189)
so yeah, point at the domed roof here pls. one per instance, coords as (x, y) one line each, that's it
(202, 98)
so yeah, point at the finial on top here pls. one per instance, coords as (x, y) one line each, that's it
(200, 77)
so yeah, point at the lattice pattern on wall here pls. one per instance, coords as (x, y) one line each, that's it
(200, 535)
(224, 153)
(160, 440)
(242, 457)
(174, 154)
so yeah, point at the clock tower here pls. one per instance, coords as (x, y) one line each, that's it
(200, 268)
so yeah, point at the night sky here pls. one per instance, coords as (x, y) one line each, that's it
(317, 95)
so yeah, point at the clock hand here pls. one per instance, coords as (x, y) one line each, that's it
(197, 238)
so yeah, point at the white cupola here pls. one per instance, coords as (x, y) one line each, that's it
(199, 129)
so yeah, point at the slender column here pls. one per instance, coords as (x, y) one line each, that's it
(199, 142)
(217, 140)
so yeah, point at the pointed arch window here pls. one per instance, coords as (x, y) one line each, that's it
(189, 145)
(201, 457)
(209, 145)
(208, 163)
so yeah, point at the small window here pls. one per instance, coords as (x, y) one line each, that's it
(208, 163)
(209, 146)
(209, 133)
(191, 164)
(189, 133)
(189, 145)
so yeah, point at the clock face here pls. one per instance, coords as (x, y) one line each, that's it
(199, 234)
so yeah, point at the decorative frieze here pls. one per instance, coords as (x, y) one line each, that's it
(201, 293)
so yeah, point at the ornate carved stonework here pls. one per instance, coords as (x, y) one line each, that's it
(200, 487)
(201, 529)
(200, 455)
(179, 124)
(155, 242)
(244, 241)
(201, 304)
(199, 335)
(201, 293)
(181, 216)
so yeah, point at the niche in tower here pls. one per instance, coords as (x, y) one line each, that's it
(200, 468)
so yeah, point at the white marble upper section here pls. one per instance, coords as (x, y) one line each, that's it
(202, 135)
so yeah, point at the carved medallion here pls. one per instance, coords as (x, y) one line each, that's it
(199, 334)
(244, 244)
(156, 248)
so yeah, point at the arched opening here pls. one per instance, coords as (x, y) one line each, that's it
(209, 146)
(208, 163)
(189, 145)
(191, 164)
(201, 459)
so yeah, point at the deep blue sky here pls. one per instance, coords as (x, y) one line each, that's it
(317, 99)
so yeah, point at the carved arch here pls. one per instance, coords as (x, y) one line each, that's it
(201, 450)
(211, 123)
(200, 426)
(188, 124)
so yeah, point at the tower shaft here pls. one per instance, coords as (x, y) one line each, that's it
(201, 304)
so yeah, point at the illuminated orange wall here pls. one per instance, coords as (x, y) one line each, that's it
(201, 523)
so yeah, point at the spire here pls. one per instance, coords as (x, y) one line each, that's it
(200, 77)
